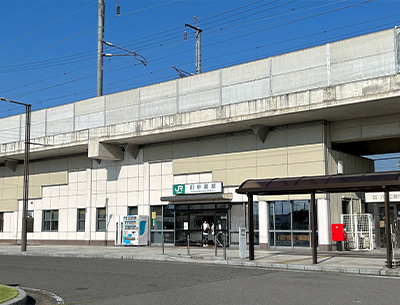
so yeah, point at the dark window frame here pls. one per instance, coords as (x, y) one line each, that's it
(50, 221)
(1, 221)
(101, 220)
(80, 221)
(133, 207)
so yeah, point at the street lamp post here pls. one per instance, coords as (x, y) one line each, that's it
(26, 170)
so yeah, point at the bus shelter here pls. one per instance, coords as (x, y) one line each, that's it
(339, 183)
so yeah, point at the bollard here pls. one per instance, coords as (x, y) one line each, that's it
(162, 243)
(188, 248)
(224, 249)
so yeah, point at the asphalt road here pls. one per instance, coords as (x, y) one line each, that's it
(103, 281)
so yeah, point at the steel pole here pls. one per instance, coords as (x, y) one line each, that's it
(387, 231)
(198, 51)
(100, 36)
(24, 232)
(26, 171)
(251, 226)
(314, 228)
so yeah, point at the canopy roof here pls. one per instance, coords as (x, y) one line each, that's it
(367, 182)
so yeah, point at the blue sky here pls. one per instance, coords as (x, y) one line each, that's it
(48, 48)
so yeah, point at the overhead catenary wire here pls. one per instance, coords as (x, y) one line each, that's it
(178, 53)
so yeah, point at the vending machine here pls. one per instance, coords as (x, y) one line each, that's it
(135, 230)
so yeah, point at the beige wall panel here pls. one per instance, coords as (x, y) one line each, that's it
(305, 153)
(273, 156)
(58, 165)
(212, 163)
(58, 178)
(220, 175)
(236, 176)
(212, 146)
(160, 152)
(351, 164)
(306, 169)
(12, 187)
(275, 139)
(81, 162)
(40, 167)
(39, 180)
(240, 160)
(35, 192)
(272, 171)
(10, 183)
(240, 143)
(306, 135)
(186, 165)
(8, 205)
(186, 149)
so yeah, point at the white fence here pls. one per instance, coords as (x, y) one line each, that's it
(360, 231)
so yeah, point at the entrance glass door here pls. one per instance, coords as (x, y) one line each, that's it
(189, 220)
(221, 228)
(195, 221)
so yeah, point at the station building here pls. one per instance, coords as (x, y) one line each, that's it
(177, 151)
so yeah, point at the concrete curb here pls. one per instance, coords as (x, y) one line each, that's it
(21, 299)
(219, 261)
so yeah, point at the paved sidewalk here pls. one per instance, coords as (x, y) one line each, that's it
(363, 263)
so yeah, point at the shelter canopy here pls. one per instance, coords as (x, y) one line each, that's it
(367, 182)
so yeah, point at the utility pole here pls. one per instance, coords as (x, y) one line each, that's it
(26, 171)
(198, 44)
(100, 36)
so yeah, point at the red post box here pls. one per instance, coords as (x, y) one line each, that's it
(339, 232)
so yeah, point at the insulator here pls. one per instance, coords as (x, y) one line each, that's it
(185, 35)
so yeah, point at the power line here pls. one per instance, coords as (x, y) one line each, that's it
(46, 26)
(185, 51)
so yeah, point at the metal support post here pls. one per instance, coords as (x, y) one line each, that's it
(313, 228)
(188, 245)
(224, 248)
(215, 244)
(162, 242)
(198, 51)
(100, 36)
(198, 45)
(26, 171)
(24, 233)
(387, 231)
(251, 226)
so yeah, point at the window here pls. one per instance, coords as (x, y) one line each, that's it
(1, 221)
(289, 223)
(163, 223)
(101, 219)
(50, 220)
(80, 225)
(132, 211)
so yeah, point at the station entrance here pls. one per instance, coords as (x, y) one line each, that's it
(189, 220)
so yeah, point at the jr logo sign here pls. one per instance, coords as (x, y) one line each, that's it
(179, 189)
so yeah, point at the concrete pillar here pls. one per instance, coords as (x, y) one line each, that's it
(15, 224)
(145, 209)
(264, 224)
(89, 209)
(324, 225)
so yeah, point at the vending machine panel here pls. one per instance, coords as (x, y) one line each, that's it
(135, 230)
